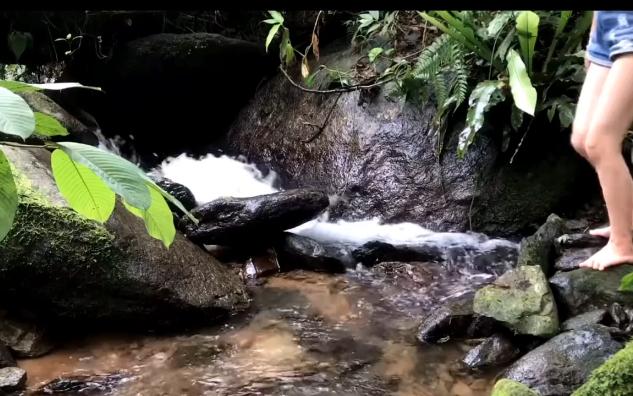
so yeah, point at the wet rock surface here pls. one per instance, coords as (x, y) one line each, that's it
(24, 339)
(178, 191)
(12, 379)
(538, 249)
(586, 319)
(260, 219)
(521, 299)
(455, 320)
(494, 351)
(584, 290)
(6, 358)
(299, 252)
(376, 252)
(571, 258)
(84, 385)
(65, 269)
(564, 363)
(380, 157)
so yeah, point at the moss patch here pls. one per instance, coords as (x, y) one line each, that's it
(613, 378)
(506, 387)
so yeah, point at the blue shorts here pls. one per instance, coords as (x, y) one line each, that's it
(613, 36)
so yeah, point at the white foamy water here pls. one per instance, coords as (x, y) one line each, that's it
(212, 177)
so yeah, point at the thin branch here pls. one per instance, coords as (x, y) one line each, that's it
(331, 91)
(321, 128)
(521, 142)
(15, 144)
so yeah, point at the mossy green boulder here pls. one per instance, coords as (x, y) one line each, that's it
(62, 267)
(522, 300)
(506, 387)
(538, 249)
(613, 378)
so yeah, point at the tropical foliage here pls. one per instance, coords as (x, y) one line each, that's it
(87, 177)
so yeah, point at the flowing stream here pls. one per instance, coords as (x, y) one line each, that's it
(305, 333)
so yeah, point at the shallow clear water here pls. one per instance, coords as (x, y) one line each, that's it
(305, 334)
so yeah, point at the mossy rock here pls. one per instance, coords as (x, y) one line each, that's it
(613, 378)
(522, 300)
(506, 387)
(538, 249)
(61, 267)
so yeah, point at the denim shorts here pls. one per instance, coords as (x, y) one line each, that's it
(613, 36)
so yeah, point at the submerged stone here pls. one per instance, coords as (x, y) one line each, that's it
(492, 352)
(299, 252)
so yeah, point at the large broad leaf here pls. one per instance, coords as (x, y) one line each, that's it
(158, 219)
(485, 95)
(8, 197)
(16, 116)
(527, 30)
(122, 176)
(523, 92)
(63, 85)
(499, 21)
(46, 125)
(84, 191)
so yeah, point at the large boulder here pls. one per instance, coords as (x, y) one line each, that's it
(584, 290)
(380, 155)
(60, 267)
(232, 221)
(521, 299)
(163, 74)
(613, 377)
(564, 363)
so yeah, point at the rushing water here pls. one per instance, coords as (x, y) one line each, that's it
(305, 333)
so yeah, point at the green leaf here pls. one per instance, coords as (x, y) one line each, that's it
(16, 116)
(271, 35)
(276, 15)
(562, 22)
(290, 54)
(523, 92)
(375, 14)
(46, 125)
(18, 42)
(8, 197)
(626, 284)
(158, 219)
(485, 95)
(566, 114)
(84, 191)
(271, 21)
(122, 176)
(374, 53)
(527, 30)
(502, 49)
(170, 198)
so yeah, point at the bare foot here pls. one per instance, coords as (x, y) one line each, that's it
(609, 256)
(604, 232)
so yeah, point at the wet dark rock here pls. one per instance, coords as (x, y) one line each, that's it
(494, 258)
(522, 300)
(564, 362)
(154, 75)
(376, 252)
(597, 316)
(231, 221)
(6, 358)
(571, 258)
(578, 241)
(88, 384)
(262, 264)
(65, 269)
(380, 157)
(538, 249)
(178, 191)
(299, 252)
(494, 351)
(12, 379)
(24, 339)
(456, 320)
(584, 290)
